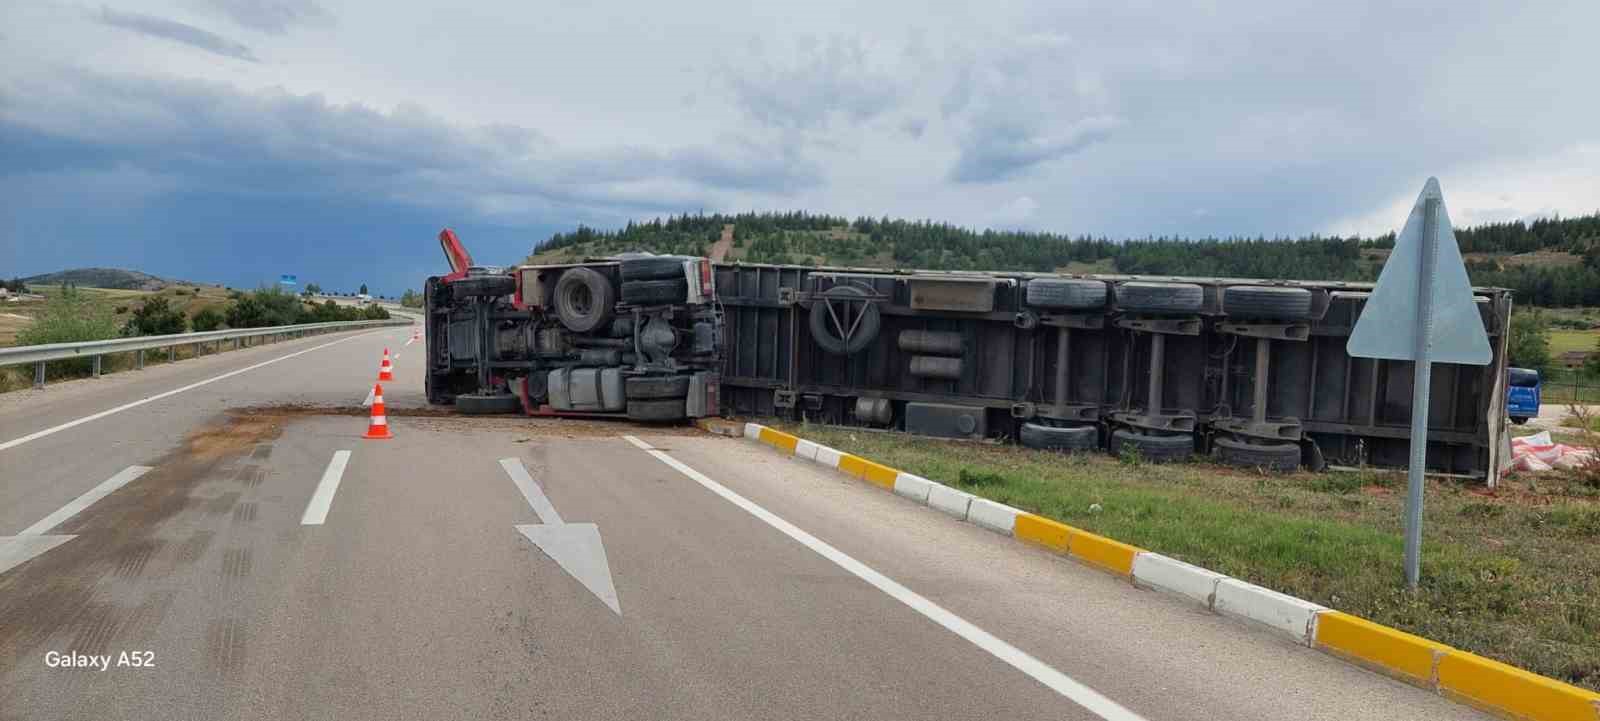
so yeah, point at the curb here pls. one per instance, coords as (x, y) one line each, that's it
(1467, 678)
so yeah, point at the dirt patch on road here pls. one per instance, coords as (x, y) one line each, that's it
(446, 419)
(119, 537)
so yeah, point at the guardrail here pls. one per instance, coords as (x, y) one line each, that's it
(39, 355)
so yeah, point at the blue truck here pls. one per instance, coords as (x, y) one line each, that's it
(1522, 395)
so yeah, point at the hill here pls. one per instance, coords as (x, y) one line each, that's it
(1549, 262)
(112, 278)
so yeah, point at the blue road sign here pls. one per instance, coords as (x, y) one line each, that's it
(287, 279)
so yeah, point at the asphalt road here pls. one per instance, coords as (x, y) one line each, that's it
(413, 587)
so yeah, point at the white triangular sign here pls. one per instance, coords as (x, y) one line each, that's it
(1388, 324)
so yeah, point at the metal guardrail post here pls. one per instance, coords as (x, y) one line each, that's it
(172, 353)
(138, 360)
(97, 366)
(38, 375)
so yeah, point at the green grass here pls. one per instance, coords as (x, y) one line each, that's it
(1510, 576)
(1562, 341)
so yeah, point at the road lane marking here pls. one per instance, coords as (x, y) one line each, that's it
(105, 488)
(13, 443)
(575, 547)
(1061, 683)
(542, 507)
(322, 499)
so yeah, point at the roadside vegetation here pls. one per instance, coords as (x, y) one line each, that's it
(1553, 262)
(71, 314)
(1509, 574)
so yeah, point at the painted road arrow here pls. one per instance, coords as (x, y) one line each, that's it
(575, 547)
(32, 541)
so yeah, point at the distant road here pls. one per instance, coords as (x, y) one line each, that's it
(271, 563)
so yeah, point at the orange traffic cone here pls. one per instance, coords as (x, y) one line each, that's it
(385, 369)
(378, 428)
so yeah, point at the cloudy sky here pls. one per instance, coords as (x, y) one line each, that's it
(230, 140)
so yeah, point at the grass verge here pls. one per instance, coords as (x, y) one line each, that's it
(1509, 575)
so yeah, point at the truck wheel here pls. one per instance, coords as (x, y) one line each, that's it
(652, 387)
(1066, 293)
(845, 300)
(479, 404)
(490, 286)
(657, 410)
(1153, 448)
(1519, 420)
(1254, 301)
(1076, 438)
(1160, 297)
(659, 267)
(655, 292)
(1269, 456)
(584, 299)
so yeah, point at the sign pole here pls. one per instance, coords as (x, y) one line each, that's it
(1421, 381)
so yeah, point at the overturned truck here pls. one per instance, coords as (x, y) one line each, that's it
(1252, 372)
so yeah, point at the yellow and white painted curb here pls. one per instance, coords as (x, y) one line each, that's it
(1488, 685)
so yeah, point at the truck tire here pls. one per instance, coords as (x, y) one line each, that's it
(1066, 293)
(1153, 448)
(1255, 301)
(822, 326)
(654, 387)
(484, 286)
(1160, 297)
(1268, 456)
(1519, 420)
(1050, 438)
(656, 267)
(584, 299)
(655, 292)
(657, 410)
(479, 404)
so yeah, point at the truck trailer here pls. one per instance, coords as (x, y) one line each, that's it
(1251, 372)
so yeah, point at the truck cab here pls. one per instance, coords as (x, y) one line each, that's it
(636, 336)
(1522, 394)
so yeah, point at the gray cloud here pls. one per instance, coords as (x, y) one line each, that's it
(999, 152)
(268, 16)
(214, 137)
(177, 32)
(819, 83)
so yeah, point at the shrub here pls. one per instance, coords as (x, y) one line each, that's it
(156, 317)
(264, 307)
(207, 319)
(375, 312)
(68, 317)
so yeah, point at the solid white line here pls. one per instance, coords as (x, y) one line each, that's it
(13, 443)
(530, 490)
(322, 500)
(105, 488)
(1038, 670)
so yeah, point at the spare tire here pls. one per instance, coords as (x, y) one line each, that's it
(1066, 293)
(655, 292)
(1256, 301)
(1160, 297)
(484, 286)
(652, 387)
(477, 404)
(653, 267)
(657, 410)
(1153, 448)
(1268, 456)
(584, 299)
(822, 324)
(1076, 438)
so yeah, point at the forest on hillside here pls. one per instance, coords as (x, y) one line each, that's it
(807, 238)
